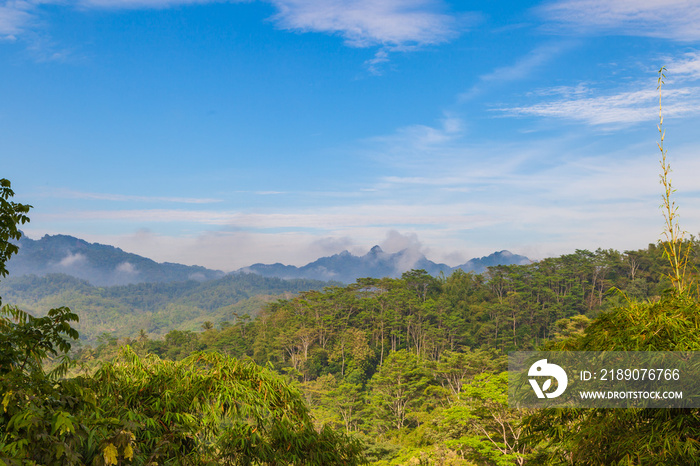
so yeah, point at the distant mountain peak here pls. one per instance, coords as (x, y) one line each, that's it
(503, 257)
(376, 250)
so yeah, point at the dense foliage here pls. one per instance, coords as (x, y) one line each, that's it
(628, 436)
(412, 366)
(155, 308)
(204, 409)
(349, 331)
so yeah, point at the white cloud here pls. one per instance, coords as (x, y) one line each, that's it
(638, 102)
(395, 242)
(441, 194)
(669, 19)
(422, 136)
(626, 107)
(411, 247)
(391, 25)
(397, 24)
(14, 17)
(374, 65)
(72, 259)
(579, 90)
(417, 144)
(682, 69)
(126, 267)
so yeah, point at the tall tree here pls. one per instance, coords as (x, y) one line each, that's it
(398, 388)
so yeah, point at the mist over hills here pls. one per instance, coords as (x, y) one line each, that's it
(346, 267)
(104, 265)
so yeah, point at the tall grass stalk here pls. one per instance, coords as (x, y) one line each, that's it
(675, 249)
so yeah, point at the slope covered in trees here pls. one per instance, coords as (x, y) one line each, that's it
(510, 308)
(155, 308)
(412, 366)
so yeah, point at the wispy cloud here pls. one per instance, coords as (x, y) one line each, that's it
(17, 16)
(417, 143)
(521, 69)
(393, 24)
(578, 90)
(623, 108)
(65, 193)
(669, 19)
(637, 103)
(398, 24)
(685, 68)
(268, 193)
(626, 107)
(375, 65)
(14, 17)
(525, 66)
(323, 219)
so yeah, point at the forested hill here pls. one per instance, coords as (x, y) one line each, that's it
(155, 308)
(511, 307)
(100, 264)
(511, 303)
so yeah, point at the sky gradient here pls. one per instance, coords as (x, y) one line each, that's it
(223, 133)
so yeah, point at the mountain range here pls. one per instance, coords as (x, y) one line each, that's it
(103, 265)
(346, 267)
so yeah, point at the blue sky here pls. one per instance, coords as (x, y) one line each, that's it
(225, 133)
